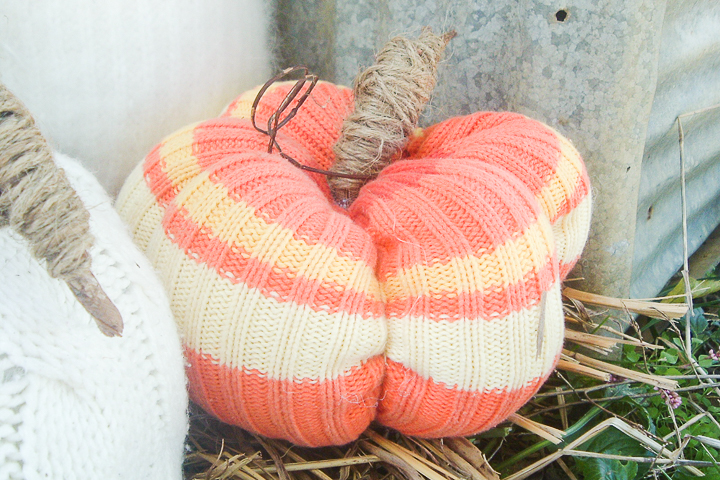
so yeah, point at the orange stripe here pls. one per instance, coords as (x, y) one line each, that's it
(488, 355)
(444, 208)
(231, 261)
(484, 236)
(211, 145)
(511, 141)
(159, 183)
(579, 189)
(566, 268)
(568, 185)
(419, 407)
(547, 163)
(303, 411)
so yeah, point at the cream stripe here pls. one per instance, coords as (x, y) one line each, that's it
(507, 264)
(480, 355)
(176, 152)
(209, 205)
(138, 208)
(571, 231)
(564, 182)
(244, 103)
(241, 327)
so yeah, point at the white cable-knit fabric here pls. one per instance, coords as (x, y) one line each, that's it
(75, 404)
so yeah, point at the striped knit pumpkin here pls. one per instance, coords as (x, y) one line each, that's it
(420, 306)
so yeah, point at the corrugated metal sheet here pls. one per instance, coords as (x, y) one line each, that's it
(612, 75)
(688, 81)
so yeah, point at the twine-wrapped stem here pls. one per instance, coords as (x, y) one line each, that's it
(389, 98)
(38, 202)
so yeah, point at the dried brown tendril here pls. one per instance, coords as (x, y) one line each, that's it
(277, 120)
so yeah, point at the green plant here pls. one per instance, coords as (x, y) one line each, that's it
(630, 428)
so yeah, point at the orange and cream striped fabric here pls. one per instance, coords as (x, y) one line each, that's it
(420, 306)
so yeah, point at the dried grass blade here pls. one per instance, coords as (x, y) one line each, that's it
(440, 449)
(550, 434)
(605, 342)
(317, 472)
(713, 442)
(404, 467)
(322, 464)
(434, 452)
(642, 438)
(467, 450)
(277, 460)
(687, 424)
(565, 469)
(426, 468)
(699, 409)
(618, 333)
(589, 339)
(655, 380)
(564, 364)
(231, 467)
(622, 458)
(563, 409)
(249, 474)
(649, 309)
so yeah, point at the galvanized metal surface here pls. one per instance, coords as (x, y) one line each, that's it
(688, 81)
(586, 68)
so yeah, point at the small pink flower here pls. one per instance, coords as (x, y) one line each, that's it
(713, 355)
(672, 399)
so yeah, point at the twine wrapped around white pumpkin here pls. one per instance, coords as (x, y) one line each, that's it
(37, 201)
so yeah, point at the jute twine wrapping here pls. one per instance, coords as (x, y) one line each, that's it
(389, 98)
(37, 201)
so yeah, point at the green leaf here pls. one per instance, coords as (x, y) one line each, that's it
(677, 290)
(672, 371)
(705, 287)
(604, 469)
(669, 356)
(613, 442)
(699, 288)
(698, 321)
(631, 355)
(706, 361)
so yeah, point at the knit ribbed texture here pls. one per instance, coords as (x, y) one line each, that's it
(419, 306)
(75, 404)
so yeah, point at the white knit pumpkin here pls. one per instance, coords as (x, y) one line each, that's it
(75, 404)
